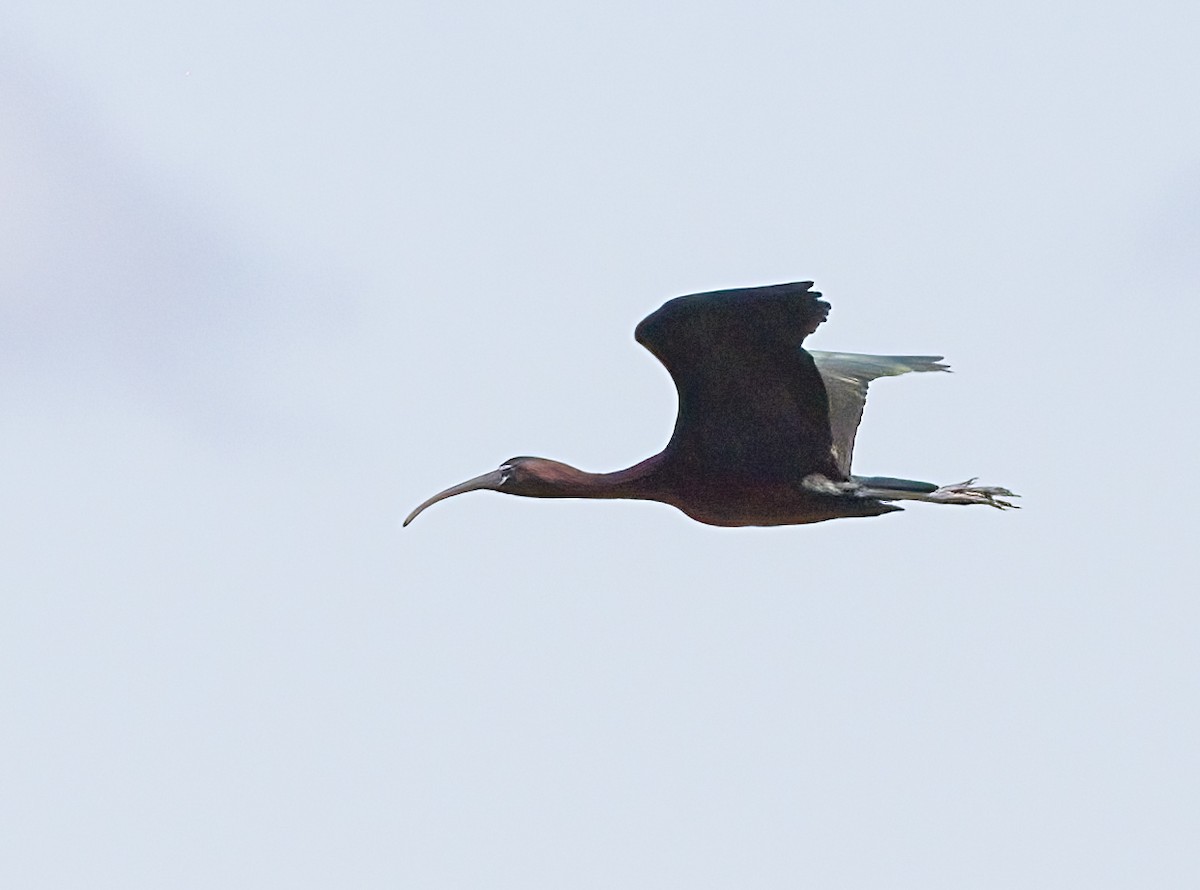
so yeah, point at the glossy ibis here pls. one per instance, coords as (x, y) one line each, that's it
(765, 429)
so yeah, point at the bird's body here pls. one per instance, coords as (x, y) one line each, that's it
(765, 430)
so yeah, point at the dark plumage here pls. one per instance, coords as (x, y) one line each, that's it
(765, 429)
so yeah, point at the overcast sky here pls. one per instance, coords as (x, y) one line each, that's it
(272, 274)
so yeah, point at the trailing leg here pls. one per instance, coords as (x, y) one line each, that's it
(887, 489)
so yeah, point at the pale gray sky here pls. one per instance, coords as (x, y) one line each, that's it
(275, 273)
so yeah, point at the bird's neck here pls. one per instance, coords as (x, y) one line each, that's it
(565, 481)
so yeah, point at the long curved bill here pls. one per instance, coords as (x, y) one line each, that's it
(490, 481)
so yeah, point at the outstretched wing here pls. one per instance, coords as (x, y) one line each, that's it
(846, 377)
(751, 401)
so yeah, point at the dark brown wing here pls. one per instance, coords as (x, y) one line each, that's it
(752, 404)
(846, 376)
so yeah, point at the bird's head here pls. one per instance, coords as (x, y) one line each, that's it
(533, 477)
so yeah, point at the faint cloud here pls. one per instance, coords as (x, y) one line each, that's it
(1171, 232)
(108, 275)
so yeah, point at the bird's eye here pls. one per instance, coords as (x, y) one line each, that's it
(506, 472)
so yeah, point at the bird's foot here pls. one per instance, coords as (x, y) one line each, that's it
(968, 493)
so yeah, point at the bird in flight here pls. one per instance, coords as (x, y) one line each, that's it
(765, 429)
